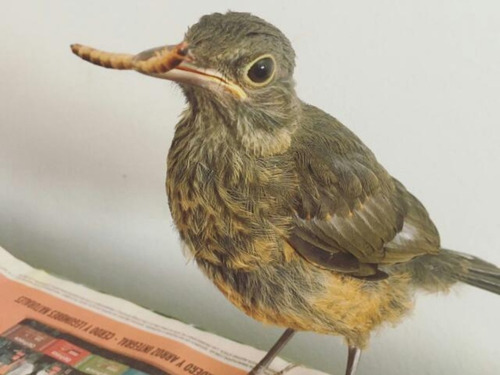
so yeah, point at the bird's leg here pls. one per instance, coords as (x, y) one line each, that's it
(272, 353)
(352, 360)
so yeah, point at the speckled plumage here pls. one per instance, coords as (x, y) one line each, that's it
(284, 208)
(257, 190)
(236, 211)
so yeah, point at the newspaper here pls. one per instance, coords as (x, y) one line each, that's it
(50, 326)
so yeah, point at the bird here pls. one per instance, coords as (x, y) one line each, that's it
(280, 205)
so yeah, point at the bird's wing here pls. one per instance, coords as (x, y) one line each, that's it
(351, 215)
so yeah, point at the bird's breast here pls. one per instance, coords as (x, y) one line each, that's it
(228, 207)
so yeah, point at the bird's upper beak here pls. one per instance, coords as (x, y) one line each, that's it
(175, 63)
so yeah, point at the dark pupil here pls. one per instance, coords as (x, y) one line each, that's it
(261, 70)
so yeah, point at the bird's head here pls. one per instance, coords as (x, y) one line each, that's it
(241, 55)
(239, 73)
(242, 70)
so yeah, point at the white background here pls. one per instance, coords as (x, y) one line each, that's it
(82, 154)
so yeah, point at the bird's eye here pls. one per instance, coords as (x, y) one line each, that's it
(261, 70)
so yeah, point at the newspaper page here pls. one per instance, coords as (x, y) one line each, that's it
(50, 326)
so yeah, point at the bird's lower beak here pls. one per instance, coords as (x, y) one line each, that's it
(175, 63)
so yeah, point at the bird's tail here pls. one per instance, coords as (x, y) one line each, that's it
(439, 272)
(478, 272)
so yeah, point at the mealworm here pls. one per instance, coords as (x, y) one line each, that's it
(104, 59)
(161, 60)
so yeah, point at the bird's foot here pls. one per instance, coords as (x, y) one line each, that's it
(257, 371)
(287, 368)
(261, 367)
(262, 370)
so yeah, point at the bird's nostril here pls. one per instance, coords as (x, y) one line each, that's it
(183, 49)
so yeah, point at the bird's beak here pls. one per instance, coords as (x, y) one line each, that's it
(188, 72)
(175, 63)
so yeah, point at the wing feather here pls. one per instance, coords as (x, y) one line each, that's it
(351, 215)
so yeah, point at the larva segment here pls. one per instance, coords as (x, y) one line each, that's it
(161, 61)
(105, 59)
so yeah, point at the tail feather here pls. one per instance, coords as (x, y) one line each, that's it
(478, 273)
(478, 282)
(439, 272)
(475, 271)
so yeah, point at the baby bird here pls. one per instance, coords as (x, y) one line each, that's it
(284, 208)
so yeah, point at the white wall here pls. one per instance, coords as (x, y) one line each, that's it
(82, 154)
